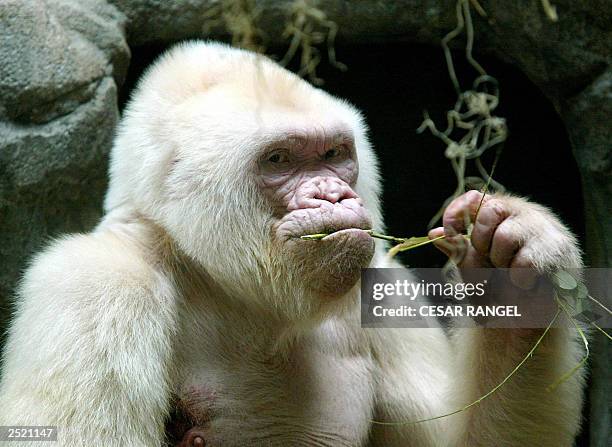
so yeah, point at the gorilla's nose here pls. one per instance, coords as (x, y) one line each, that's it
(317, 191)
(332, 190)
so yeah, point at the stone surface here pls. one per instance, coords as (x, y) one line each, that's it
(60, 62)
(587, 117)
(561, 57)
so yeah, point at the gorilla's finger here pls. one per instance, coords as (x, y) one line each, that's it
(473, 259)
(461, 212)
(522, 270)
(490, 216)
(505, 244)
(455, 247)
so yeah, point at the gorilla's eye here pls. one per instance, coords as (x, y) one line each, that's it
(334, 152)
(278, 157)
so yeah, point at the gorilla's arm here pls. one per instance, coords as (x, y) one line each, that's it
(443, 377)
(413, 371)
(90, 347)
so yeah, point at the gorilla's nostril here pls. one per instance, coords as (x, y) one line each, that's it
(332, 197)
(335, 197)
(319, 190)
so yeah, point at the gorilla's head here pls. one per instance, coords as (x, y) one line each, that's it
(236, 158)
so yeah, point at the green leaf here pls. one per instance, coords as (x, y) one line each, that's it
(578, 306)
(564, 280)
(581, 292)
(576, 298)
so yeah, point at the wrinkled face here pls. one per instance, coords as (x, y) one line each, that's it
(308, 179)
(241, 196)
(237, 165)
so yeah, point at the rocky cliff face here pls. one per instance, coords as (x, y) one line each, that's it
(60, 65)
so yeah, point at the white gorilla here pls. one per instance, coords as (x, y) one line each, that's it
(193, 314)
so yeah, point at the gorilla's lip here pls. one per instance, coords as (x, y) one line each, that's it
(336, 219)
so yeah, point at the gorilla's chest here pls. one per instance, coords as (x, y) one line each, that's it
(312, 398)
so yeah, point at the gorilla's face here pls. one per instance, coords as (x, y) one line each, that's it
(236, 158)
(280, 171)
(308, 179)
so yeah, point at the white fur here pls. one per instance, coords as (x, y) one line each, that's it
(175, 289)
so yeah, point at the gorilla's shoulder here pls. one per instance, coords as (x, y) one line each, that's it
(93, 269)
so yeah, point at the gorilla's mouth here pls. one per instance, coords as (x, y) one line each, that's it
(351, 232)
(330, 266)
(341, 220)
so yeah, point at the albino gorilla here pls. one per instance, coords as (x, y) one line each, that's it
(195, 315)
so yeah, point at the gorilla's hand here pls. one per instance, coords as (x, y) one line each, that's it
(508, 232)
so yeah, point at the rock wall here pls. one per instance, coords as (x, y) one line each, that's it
(60, 65)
